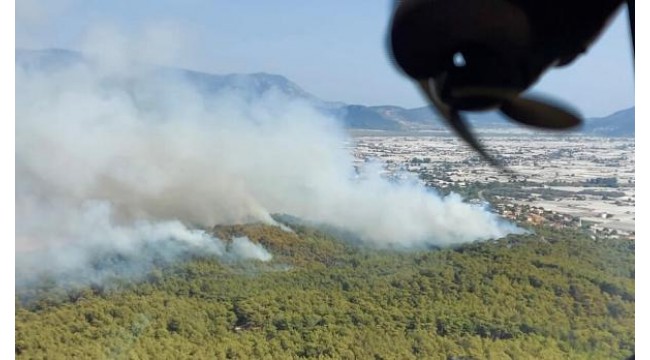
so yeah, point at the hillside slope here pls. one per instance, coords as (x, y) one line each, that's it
(554, 295)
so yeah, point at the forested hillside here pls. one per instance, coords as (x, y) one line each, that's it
(556, 294)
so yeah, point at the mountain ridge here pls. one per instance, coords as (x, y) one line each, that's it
(352, 116)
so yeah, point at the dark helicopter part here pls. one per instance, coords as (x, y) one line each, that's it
(630, 16)
(456, 121)
(540, 113)
(527, 111)
(475, 55)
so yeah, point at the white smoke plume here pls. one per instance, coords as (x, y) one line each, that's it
(86, 246)
(115, 156)
(242, 247)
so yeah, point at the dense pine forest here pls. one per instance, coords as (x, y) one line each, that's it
(552, 294)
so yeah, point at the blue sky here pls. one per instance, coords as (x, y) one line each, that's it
(333, 49)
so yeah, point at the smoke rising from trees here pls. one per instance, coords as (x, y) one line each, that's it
(116, 153)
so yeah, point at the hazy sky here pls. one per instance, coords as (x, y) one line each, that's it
(334, 49)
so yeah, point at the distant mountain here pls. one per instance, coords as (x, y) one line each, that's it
(252, 85)
(47, 60)
(393, 118)
(618, 124)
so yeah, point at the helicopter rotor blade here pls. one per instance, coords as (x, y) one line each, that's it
(456, 121)
(458, 124)
(541, 114)
(429, 91)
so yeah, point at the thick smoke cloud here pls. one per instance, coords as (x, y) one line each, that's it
(115, 156)
(87, 246)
